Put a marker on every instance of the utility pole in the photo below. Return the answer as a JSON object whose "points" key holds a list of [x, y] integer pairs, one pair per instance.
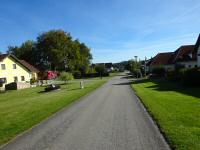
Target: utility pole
{"points": [[136, 64]]}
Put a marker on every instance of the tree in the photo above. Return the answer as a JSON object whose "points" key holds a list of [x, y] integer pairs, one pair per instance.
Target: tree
{"points": [[100, 68], [54, 50], [26, 51], [135, 68], [54, 47], [66, 76]]}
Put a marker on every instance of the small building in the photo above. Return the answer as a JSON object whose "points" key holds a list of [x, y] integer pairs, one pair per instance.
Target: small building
{"points": [[185, 56], [15, 70], [162, 60]]}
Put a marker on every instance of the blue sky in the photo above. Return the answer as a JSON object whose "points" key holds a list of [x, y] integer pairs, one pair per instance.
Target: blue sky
{"points": [[115, 30]]}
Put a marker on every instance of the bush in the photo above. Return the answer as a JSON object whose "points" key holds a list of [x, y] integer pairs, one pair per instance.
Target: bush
{"points": [[176, 75], [137, 73], [77, 74], [33, 80], [159, 71], [66, 76], [191, 77]]}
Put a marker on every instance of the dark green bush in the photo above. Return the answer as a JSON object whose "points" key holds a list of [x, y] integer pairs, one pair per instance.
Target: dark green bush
{"points": [[176, 75], [191, 77], [159, 71], [77, 74]]}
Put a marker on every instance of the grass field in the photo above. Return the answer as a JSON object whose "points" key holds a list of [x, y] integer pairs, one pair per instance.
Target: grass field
{"points": [[175, 108], [20, 110]]}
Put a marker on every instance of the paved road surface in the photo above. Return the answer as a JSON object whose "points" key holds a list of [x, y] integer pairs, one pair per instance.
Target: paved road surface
{"points": [[111, 118]]}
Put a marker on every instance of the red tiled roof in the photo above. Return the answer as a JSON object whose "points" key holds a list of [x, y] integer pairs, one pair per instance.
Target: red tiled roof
{"points": [[162, 59], [185, 53], [3, 56], [29, 66]]}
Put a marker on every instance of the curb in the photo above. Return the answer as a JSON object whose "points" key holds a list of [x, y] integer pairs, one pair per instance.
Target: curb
{"points": [[153, 120]]}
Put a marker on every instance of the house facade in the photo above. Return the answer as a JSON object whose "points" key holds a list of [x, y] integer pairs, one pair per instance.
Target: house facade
{"points": [[187, 56], [162, 60], [12, 70]]}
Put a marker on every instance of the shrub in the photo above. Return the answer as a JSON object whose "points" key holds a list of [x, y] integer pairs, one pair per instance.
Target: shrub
{"points": [[191, 77], [77, 74], [176, 75], [66, 76], [33, 80], [159, 71]]}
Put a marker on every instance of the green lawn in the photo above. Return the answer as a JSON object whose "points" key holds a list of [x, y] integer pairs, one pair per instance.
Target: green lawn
{"points": [[175, 108], [20, 110]]}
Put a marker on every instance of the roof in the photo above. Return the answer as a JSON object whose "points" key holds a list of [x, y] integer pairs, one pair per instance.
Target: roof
{"points": [[197, 44], [3, 56], [185, 53], [29, 66], [22, 62], [162, 59]]}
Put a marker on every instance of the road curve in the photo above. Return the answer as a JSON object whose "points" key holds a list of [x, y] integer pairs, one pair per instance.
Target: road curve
{"points": [[111, 118]]}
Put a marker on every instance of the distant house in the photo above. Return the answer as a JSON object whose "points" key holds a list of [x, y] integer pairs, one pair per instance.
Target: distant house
{"points": [[15, 70], [186, 56], [108, 66], [162, 60]]}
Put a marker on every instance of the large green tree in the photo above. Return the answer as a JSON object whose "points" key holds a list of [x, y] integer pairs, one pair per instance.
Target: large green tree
{"points": [[54, 47], [26, 51], [54, 50]]}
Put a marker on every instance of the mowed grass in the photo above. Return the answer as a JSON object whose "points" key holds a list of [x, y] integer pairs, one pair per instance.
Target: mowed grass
{"points": [[175, 108], [20, 110]]}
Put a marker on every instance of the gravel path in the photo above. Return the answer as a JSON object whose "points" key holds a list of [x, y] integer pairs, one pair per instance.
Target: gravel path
{"points": [[111, 118]]}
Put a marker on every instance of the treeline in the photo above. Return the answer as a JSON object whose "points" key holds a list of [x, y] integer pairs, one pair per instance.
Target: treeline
{"points": [[54, 50]]}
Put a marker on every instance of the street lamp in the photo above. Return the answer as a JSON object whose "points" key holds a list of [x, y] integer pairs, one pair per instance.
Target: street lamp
{"points": [[136, 58]]}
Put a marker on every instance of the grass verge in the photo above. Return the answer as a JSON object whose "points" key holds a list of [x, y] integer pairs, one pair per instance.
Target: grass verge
{"points": [[22, 109], [176, 109]]}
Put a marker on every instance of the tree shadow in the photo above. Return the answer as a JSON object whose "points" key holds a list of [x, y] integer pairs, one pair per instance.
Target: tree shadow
{"points": [[124, 83], [165, 85]]}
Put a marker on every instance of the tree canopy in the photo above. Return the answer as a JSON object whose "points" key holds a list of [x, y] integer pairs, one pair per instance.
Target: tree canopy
{"points": [[54, 50]]}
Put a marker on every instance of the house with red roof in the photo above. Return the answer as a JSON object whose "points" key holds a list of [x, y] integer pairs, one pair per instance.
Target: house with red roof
{"points": [[162, 60], [16, 72], [187, 55]]}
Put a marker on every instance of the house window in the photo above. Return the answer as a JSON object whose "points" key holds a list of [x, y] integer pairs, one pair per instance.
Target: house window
{"points": [[195, 66], [189, 66], [3, 80], [15, 79], [3, 67], [14, 66], [22, 78]]}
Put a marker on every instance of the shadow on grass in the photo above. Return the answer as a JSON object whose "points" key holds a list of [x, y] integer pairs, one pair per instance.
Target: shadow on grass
{"points": [[124, 83], [165, 85]]}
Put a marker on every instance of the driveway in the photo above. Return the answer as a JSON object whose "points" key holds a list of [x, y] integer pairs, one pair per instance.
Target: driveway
{"points": [[111, 118]]}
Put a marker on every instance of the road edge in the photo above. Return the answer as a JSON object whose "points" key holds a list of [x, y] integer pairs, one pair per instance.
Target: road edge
{"points": [[153, 120], [54, 114]]}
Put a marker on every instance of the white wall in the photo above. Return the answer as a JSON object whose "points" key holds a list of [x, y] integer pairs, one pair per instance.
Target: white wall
{"points": [[188, 64]]}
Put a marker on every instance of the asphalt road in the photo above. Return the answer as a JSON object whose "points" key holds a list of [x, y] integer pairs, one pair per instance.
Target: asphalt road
{"points": [[111, 118]]}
